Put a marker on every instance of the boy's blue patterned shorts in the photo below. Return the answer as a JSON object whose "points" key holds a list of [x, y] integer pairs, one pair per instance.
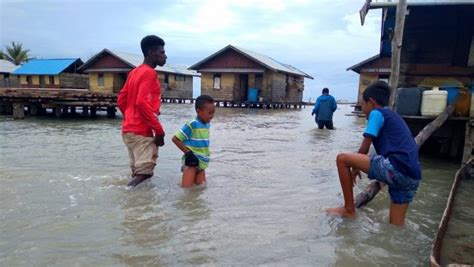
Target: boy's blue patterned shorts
{"points": [[401, 188]]}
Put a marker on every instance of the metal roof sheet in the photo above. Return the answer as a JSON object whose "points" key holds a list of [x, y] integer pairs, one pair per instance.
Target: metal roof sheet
{"points": [[7, 67], [45, 66], [135, 60], [357, 66], [393, 3], [266, 61]]}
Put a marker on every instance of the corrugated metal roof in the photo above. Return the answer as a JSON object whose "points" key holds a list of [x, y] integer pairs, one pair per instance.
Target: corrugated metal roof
{"points": [[357, 66], [45, 66], [135, 60], [266, 61], [390, 3], [7, 67]]}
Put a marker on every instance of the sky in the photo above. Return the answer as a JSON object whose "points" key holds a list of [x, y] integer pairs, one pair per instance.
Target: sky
{"points": [[320, 37]]}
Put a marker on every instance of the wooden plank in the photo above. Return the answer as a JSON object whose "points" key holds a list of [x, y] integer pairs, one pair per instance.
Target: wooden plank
{"points": [[396, 49], [435, 256], [468, 141]]}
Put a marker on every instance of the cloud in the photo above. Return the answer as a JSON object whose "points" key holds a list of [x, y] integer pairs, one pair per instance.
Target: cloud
{"points": [[321, 38]]}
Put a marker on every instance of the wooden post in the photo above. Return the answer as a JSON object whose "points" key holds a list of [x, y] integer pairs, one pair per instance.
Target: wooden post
{"points": [[57, 112], [8, 108], [93, 112], [468, 141], [396, 49], [110, 112], [18, 111], [33, 110], [85, 111], [374, 187], [424, 134]]}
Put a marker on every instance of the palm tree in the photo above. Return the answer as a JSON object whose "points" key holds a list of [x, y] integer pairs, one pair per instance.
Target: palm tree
{"points": [[15, 53], [1, 55]]}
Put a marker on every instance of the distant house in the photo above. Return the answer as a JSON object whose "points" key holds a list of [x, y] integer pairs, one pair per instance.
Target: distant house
{"points": [[370, 70], [228, 74], [108, 72], [6, 79], [51, 73], [438, 41]]}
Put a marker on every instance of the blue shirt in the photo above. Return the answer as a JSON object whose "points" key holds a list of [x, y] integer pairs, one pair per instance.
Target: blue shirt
{"points": [[324, 107], [393, 140]]}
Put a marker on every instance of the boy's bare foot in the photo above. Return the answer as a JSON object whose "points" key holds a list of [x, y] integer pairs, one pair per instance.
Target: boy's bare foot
{"points": [[341, 211]]}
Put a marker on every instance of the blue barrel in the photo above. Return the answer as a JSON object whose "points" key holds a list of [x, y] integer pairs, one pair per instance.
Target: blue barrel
{"points": [[408, 101], [453, 92], [252, 95]]}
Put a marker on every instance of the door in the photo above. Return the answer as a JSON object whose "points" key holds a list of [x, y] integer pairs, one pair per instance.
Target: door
{"points": [[244, 86], [119, 81]]}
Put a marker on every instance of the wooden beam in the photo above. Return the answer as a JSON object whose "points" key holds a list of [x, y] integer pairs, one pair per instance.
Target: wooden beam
{"points": [[396, 49], [468, 141], [18, 111]]}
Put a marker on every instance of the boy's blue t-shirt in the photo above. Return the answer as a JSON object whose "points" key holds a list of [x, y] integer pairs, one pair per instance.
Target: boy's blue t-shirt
{"points": [[393, 140]]}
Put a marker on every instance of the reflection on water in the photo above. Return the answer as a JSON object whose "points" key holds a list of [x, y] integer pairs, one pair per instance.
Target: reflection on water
{"points": [[63, 198]]}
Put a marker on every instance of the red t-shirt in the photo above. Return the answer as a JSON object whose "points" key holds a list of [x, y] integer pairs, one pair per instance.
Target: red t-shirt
{"points": [[139, 102]]}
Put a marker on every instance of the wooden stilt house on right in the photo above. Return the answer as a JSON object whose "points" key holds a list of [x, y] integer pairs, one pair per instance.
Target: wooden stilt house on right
{"points": [[239, 75]]}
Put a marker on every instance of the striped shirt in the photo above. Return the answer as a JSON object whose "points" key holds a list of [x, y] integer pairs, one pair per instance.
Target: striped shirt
{"points": [[195, 136]]}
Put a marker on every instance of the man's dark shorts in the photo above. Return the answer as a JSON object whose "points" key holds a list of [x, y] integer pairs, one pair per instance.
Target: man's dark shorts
{"points": [[401, 188], [322, 124]]}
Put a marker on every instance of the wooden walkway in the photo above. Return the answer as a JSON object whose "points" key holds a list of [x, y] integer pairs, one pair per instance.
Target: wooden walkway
{"points": [[61, 101]]}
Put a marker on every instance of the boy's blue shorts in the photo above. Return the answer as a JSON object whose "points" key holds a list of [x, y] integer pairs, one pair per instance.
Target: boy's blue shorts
{"points": [[401, 188]]}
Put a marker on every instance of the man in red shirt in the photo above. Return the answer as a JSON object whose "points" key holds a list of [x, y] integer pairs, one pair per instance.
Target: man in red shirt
{"points": [[139, 101]]}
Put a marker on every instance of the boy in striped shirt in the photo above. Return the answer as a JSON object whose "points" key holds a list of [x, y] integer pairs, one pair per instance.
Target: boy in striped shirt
{"points": [[193, 140]]}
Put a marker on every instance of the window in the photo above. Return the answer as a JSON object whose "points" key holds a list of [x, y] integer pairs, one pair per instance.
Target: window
{"points": [[51, 79], [100, 79], [217, 81], [180, 78], [166, 78], [28, 79]]}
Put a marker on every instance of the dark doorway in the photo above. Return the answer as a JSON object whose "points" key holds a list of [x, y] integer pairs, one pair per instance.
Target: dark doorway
{"points": [[119, 81], [244, 86]]}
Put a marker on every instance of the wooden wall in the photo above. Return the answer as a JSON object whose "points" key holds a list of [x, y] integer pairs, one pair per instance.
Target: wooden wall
{"points": [[108, 87], [12, 81], [174, 88], [365, 79], [436, 44], [227, 86], [39, 81], [108, 61], [295, 89], [278, 89], [231, 59], [73, 80]]}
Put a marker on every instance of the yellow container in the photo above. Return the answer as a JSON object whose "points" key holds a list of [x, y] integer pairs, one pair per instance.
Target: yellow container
{"points": [[433, 102]]}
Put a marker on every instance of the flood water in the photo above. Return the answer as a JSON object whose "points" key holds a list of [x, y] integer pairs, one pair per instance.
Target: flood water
{"points": [[63, 199]]}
